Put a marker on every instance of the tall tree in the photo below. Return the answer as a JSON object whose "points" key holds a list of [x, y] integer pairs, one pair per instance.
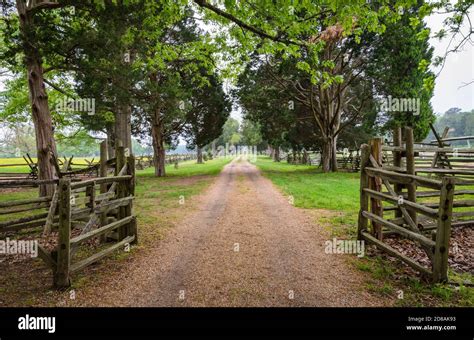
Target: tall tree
{"points": [[173, 61], [31, 25], [250, 132], [209, 110], [399, 69]]}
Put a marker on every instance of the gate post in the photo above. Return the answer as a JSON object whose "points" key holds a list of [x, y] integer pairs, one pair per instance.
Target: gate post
{"points": [[410, 156], [61, 275], [443, 230], [375, 183], [364, 183]]}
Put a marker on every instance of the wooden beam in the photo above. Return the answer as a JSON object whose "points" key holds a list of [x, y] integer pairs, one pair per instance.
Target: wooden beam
{"points": [[364, 184], [404, 178], [410, 157], [100, 231], [375, 184], [396, 254], [46, 257], [96, 257], [52, 211], [405, 232], [100, 181]]}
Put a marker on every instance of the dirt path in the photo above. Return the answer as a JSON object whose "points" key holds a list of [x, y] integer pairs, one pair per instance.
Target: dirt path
{"points": [[245, 246]]}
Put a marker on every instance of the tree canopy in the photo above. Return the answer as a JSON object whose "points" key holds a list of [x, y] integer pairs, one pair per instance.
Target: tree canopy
{"points": [[308, 74]]}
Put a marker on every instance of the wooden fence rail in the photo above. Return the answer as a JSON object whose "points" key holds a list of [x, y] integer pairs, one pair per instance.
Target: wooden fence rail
{"points": [[346, 159], [107, 215], [146, 161], [100, 207], [426, 223]]}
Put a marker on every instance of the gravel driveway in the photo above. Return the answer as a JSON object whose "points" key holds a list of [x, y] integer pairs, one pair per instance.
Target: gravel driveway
{"points": [[246, 245]]}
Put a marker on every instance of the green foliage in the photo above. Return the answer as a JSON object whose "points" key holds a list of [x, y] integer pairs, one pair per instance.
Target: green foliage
{"points": [[151, 55], [208, 112], [230, 133], [250, 132], [400, 70]]}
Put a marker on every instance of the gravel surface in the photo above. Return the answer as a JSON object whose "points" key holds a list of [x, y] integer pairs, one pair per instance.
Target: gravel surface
{"points": [[245, 245]]}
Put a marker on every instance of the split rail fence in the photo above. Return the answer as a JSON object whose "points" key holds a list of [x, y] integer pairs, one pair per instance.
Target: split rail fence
{"points": [[348, 159], [79, 211], [145, 161], [421, 208]]}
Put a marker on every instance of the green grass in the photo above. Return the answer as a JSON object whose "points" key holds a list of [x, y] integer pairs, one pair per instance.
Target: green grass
{"points": [[189, 168], [339, 192], [26, 169], [311, 188], [385, 279]]}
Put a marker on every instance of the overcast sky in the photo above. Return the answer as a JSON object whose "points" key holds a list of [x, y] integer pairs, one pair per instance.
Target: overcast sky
{"points": [[458, 70]]}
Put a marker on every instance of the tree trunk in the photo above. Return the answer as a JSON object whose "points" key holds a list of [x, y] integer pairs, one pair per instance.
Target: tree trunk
{"points": [[272, 152], [276, 154], [110, 142], [199, 155], [305, 157], [42, 119], [159, 152], [334, 154], [123, 127], [328, 155]]}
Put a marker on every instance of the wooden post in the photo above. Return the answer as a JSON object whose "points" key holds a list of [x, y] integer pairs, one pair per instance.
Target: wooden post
{"points": [[103, 187], [443, 231], [103, 161], [51, 212], [61, 275], [440, 156], [364, 183], [376, 184], [397, 162], [131, 171], [410, 155], [119, 156], [131, 228], [90, 193], [121, 188]]}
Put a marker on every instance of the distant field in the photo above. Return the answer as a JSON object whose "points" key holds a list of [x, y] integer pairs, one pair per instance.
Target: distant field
{"points": [[184, 168], [25, 169], [147, 182]]}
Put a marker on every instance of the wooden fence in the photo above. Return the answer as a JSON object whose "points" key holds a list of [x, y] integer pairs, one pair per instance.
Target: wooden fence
{"points": [[427, 223], [79, 211], [348, 159], [31, 174], [146, 161], [64, 168]]}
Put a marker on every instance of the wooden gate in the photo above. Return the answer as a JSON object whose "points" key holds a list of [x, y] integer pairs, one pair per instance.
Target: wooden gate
{"points": [[428, 224], [99, 208]]}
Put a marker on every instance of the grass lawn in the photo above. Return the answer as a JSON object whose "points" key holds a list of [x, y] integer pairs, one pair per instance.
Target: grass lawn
{"points": [[312, 189], [339, 193]]}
